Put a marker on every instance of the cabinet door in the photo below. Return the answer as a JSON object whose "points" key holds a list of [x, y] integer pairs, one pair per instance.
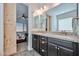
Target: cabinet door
{"points": [[37, 43], [34, 43], [52, 49], [62, 51]]}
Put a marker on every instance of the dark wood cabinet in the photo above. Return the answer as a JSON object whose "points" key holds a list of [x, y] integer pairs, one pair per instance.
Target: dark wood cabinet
{"points": [[43, 43], [35, 42], [43, 46], [52, 49], [64, 47], [47, 46], [62, 51], [38, 43]]}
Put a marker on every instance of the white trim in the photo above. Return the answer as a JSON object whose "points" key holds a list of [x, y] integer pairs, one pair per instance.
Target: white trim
{"points": [[2, 29]]}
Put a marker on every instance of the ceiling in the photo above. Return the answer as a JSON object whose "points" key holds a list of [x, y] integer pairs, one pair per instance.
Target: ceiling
{"points": [[22, 8], [36, 6]]}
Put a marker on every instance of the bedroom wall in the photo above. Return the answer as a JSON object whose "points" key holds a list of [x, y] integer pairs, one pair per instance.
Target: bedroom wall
{"points": [[20, 10]]}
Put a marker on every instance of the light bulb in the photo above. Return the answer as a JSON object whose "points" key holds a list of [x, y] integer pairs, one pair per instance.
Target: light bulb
{"points": [[45, 7], [41, 8]]}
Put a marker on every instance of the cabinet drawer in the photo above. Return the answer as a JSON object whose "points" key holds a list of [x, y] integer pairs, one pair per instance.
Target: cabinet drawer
{"points": [[52, 40], [61, 42], [43, 38], [43, 44], [65, 43]]}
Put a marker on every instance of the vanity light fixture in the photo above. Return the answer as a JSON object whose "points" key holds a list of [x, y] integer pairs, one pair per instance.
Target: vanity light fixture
{"points": [[45, 7], [41, 10]]}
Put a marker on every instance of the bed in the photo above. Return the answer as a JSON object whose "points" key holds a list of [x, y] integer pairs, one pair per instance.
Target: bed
{"points": [[21, 37]]}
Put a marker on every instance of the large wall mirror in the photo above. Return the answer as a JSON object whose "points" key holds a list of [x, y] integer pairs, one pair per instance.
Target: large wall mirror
{"points": [[65, 21], [39, 23], [65, 18], [65, 25]]}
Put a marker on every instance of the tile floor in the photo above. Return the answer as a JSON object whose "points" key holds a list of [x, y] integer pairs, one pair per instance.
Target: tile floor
{"points": [[22, 50]]}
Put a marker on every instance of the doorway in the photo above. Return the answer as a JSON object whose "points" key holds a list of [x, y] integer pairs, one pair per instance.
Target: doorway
{"points": [[21, 27]]}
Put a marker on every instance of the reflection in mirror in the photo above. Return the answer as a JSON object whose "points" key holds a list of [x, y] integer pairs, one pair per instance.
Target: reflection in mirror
{"points": [[65, 25], [39, 23], [64, 21], [35, 22], [62, 16]]}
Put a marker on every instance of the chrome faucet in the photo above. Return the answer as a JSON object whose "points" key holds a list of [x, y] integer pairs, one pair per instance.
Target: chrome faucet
{"points": [[64, 32]]}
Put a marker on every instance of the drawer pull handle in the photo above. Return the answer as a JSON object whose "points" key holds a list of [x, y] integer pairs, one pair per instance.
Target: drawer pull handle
{"points": [[43, 50], [43, 42], [42, 38], [58, 48], [34, 39]]}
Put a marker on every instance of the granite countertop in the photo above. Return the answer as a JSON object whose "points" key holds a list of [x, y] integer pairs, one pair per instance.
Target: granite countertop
{"points": [[72, 38]]}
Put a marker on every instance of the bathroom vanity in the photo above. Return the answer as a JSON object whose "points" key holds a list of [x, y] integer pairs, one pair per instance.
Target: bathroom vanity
{"points": [[47, 44], [63, 38]]}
